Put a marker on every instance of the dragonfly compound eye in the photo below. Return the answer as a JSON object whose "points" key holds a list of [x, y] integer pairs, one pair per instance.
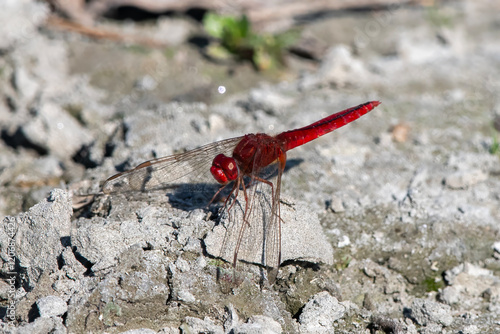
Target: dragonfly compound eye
{"points": [[224, 169]]}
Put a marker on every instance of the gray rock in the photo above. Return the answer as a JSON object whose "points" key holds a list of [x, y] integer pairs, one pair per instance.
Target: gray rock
{"points": [[52, 325], [338, 67], [169, 330], [269, 101], [297, 243], [470, 285], [336, 204], [496, 248], [140, 331], [465, 179], [54, 130], [29, 172], [196, 325], [71, 266], [51, 306], [138, 284], [450, 295], [146, 83], [319, 314], [34, 238], [101, 241], [427, 312], [21, 20], [167, 127], [25, 84], [258, 324]]}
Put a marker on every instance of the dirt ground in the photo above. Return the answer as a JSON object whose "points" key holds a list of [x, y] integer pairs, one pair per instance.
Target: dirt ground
{"points": [[391, 224]]}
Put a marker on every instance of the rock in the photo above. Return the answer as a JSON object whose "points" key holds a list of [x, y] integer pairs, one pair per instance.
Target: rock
{"points": [[336, 204], [146, 83], [33, 239], [297, 242], [196, 325], [138, 284], [140, 331], [62, 138], [51, 306], [52, 325], [165, 127], [21, 20], [169, 330], [319, 314], [496, 246], [35, 172], [469, 285], [338, 67], [71, 266], [426, 312], [269, 101], [450, 295], [101, 241], [465, 179], [258, 324]]}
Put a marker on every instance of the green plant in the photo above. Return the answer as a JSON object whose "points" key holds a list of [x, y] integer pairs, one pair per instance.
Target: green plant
{"points": [[495, 147], [431, 284], [439, 17], [236, 39]]}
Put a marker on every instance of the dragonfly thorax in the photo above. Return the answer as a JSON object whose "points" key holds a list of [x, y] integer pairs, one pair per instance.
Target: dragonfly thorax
{"points": [[224, 169]]}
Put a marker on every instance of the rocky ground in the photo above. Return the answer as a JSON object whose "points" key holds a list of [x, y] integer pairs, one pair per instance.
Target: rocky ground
{"points": [[391, 224]]}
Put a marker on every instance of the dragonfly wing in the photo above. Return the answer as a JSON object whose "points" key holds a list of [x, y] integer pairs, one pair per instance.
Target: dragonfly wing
{"points": [[190, 167], [252, 225], [272, 232], [243, 222]]}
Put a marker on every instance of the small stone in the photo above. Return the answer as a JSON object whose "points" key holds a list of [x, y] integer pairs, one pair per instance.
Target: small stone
{"points": [[450, 295], [400, 132], [496, 246], [345, 241], [52, 325], [258, 324], [320, 312], [146, 83], [336, 204], [186, 296], [196, 325], [51, 306], [182, 265], [426, 312]]}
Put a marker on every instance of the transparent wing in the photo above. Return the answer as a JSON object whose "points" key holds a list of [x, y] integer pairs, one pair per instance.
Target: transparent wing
{"points": [[272, 232], [191, 167], [251, 229]]}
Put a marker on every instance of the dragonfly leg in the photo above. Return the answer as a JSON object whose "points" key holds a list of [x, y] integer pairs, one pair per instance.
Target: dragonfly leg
{"points": [[272, 193], [217, 193]]}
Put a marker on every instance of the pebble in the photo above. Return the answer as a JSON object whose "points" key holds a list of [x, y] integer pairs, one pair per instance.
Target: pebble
{"points": [[51, 306], [426, 312], [320, 312]]}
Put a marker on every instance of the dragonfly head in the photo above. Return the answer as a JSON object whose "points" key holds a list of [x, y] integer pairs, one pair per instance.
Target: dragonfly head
{"points": [[224, 169]]}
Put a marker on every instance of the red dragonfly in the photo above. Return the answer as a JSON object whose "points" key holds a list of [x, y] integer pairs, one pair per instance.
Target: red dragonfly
{"points": [[244, 162]]}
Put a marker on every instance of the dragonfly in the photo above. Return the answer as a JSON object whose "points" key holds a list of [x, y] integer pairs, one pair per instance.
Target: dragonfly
{"points": [[239, 165]]}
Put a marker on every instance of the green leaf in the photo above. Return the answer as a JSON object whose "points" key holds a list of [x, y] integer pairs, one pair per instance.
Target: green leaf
{"points": [[214, 24], [236, 37]]}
